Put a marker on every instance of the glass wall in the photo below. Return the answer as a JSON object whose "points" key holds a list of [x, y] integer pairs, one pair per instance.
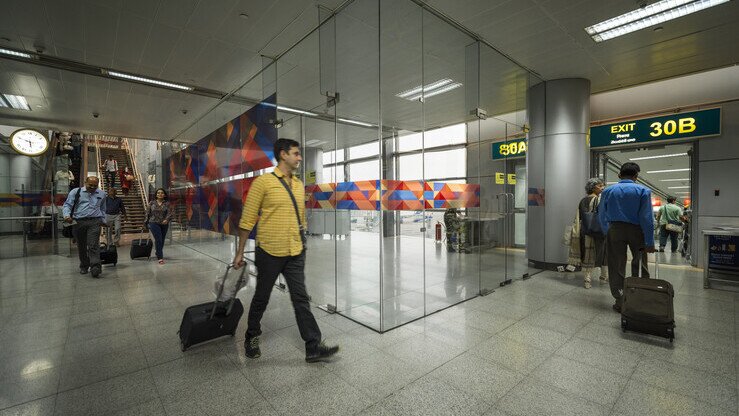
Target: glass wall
{"points": [[396, 111]]}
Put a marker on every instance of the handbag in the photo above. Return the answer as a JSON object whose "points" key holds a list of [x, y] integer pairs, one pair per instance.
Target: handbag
{"points": [[68, 229], [590, 222], [674, 226], [303, 238]]}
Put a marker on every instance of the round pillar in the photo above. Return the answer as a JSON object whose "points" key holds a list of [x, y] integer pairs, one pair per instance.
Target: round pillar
{"points": [[557, 163]]}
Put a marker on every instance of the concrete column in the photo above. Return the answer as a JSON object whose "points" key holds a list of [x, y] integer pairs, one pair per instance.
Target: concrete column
{"points": [[557, 163]]}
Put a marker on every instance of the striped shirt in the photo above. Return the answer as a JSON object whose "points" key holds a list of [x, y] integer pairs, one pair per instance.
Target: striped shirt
{"points": [[278, 232]]}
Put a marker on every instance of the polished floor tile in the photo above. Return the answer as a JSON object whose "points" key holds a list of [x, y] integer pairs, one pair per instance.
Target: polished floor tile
{"points": [[73, 345]]}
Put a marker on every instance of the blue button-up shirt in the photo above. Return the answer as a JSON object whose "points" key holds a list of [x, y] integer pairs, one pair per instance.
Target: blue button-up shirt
{"points": [[90, 204], [629, 202]]}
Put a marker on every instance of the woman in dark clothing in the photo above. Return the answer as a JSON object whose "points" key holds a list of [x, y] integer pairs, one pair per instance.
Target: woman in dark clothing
{"points": [[588, 251], [158, 215]]}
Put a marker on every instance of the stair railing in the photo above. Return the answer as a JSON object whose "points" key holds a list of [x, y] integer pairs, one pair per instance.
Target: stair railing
{"points": [[98, 162], [136, 173]]}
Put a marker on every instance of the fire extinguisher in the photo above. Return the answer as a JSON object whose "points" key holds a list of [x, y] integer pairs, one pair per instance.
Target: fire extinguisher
{"points": [[438, 232]]}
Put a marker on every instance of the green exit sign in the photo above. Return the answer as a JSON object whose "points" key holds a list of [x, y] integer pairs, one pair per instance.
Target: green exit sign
{"points": [[690, 125]]}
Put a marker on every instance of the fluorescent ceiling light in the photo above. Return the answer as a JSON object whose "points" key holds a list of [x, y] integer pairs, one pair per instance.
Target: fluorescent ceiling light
{"points": [[145, 80], [14, 101], [314, 142], [296, 111], [8, 52], [669, 170], [358, 123], [647, 16], [682, 192], [427, 87], [659, 156], [674, 180], [678, 187], [435, 92]]}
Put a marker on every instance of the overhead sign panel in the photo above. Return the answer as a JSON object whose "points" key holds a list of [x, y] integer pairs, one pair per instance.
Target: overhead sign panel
{"points": [[690, 125], [510, 149]]}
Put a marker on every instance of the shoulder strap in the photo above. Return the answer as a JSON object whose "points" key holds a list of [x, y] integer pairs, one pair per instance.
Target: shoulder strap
{"points": [[76, 200], [295, 204]]}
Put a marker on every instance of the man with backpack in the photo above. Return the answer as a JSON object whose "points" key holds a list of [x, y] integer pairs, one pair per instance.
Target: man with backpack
{"points": [[86, 207]]}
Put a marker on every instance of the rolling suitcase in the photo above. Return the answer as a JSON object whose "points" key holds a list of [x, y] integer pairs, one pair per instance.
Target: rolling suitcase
{"points": [[647, 306], [141, 247], [108, 254], [211, 320]]}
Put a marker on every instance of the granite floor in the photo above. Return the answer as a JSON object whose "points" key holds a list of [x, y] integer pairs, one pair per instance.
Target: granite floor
{"points": [[73, 345]]}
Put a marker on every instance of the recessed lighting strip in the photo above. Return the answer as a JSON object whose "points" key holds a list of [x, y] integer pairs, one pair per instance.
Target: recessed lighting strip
{"points": [[358, 123], [296, 111], [669, 170], [427, 87], [436, 91], [651, 15], [16, 101], [678, 187], [145, 80], [674, 180], [658, 156], [10, 52]]}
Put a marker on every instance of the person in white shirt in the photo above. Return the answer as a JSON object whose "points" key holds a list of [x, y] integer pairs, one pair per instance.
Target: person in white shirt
{"points": [[111, 170]]}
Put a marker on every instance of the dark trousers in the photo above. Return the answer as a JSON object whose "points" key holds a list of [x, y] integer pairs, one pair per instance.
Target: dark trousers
{"points": [[110, 179], [159, 231], [292, 267], [620, 236], [87, 233], [663, 234]]}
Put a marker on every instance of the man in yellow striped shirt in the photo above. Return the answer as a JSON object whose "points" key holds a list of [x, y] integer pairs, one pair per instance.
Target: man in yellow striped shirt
{"points": [[277, 201]]}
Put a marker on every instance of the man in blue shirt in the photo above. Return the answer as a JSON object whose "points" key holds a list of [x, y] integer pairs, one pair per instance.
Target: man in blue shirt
{"points": [[625, 212], [86, 206]]}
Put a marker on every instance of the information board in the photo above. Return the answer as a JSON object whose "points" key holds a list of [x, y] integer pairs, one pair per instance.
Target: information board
{"points": [[722, 253], [689, 125]]}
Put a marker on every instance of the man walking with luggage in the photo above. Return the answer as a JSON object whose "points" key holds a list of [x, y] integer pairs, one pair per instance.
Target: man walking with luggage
{"points": [[278, 201], [625, 213], [114, 209], [86, 206]]}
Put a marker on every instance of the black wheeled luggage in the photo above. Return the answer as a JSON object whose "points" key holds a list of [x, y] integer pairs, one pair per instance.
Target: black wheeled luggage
{"points": [[647, 306], [141, 247], [108, 254], [211, 320]]}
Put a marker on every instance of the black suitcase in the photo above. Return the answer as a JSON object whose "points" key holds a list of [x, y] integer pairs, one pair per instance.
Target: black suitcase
{"points": [[647, 306], [141, 247], [108, 254], [211, 320]]}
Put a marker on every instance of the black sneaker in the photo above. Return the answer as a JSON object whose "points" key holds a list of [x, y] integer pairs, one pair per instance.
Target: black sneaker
{"points": [[95, 271], [251, 346], [321, 352], [83, 270]]}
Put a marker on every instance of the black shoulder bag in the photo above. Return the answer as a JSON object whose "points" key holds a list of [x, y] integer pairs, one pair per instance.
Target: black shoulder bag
{"points": [[67, 230], [590, 222], [303, 239]]}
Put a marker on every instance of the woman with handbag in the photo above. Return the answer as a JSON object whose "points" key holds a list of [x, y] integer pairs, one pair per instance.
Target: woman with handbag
{"points": [[587, 244], [158, 215], [126, 176], [669, 224]]}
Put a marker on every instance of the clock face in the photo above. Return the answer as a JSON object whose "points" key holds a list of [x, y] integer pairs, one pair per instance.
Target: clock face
{"points": [[29, 142]]}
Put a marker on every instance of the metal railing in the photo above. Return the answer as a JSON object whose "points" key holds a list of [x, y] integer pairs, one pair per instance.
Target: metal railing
{"points": [[137, 174]]}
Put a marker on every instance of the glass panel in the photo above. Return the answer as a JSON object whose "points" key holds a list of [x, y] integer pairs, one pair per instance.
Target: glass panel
{"points": [[364, 150], [404, 214], [357, 82], [451, 269], [446, 164]]}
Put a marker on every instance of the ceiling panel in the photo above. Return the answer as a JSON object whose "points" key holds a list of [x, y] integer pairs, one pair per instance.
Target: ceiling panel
{"points": [[133, 31], [176, 13]]}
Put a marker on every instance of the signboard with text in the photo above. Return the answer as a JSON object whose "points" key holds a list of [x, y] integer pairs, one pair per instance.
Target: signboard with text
{"points": [[722, 252], [691, 125], [510, 149]]}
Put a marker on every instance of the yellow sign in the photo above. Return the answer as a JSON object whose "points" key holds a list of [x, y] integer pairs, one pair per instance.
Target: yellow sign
{"points": [[311, 179], [500, 178]]}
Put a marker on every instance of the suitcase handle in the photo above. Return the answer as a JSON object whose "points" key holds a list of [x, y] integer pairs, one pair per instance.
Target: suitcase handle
{"points": [[223, 284]]}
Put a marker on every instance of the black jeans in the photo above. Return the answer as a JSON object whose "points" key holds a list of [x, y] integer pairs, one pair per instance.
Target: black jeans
{"points": [[110, 179], [663, 234], [292, 267], [620, 235], [87, 233]]}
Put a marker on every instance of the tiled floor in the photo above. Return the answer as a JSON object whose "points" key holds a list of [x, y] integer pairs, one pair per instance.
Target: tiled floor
{"points": [[73, 345]]}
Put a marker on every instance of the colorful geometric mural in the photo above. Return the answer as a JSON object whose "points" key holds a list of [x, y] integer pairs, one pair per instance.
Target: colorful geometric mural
{"points": [[392, 195]]}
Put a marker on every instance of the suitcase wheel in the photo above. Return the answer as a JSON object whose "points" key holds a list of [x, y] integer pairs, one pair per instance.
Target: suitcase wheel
{"points": [[183, 347], [623, 324]]}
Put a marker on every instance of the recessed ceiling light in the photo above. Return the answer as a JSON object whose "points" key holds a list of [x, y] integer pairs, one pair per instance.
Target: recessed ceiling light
{"points": [[678, 187], [9, 52], [145, 80], [296, 111], [17, 102], [427, 87], [669, 170], [647, 16], [674, 180], [358, 123], [437, 91], [39, 106], [658, 156]]}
